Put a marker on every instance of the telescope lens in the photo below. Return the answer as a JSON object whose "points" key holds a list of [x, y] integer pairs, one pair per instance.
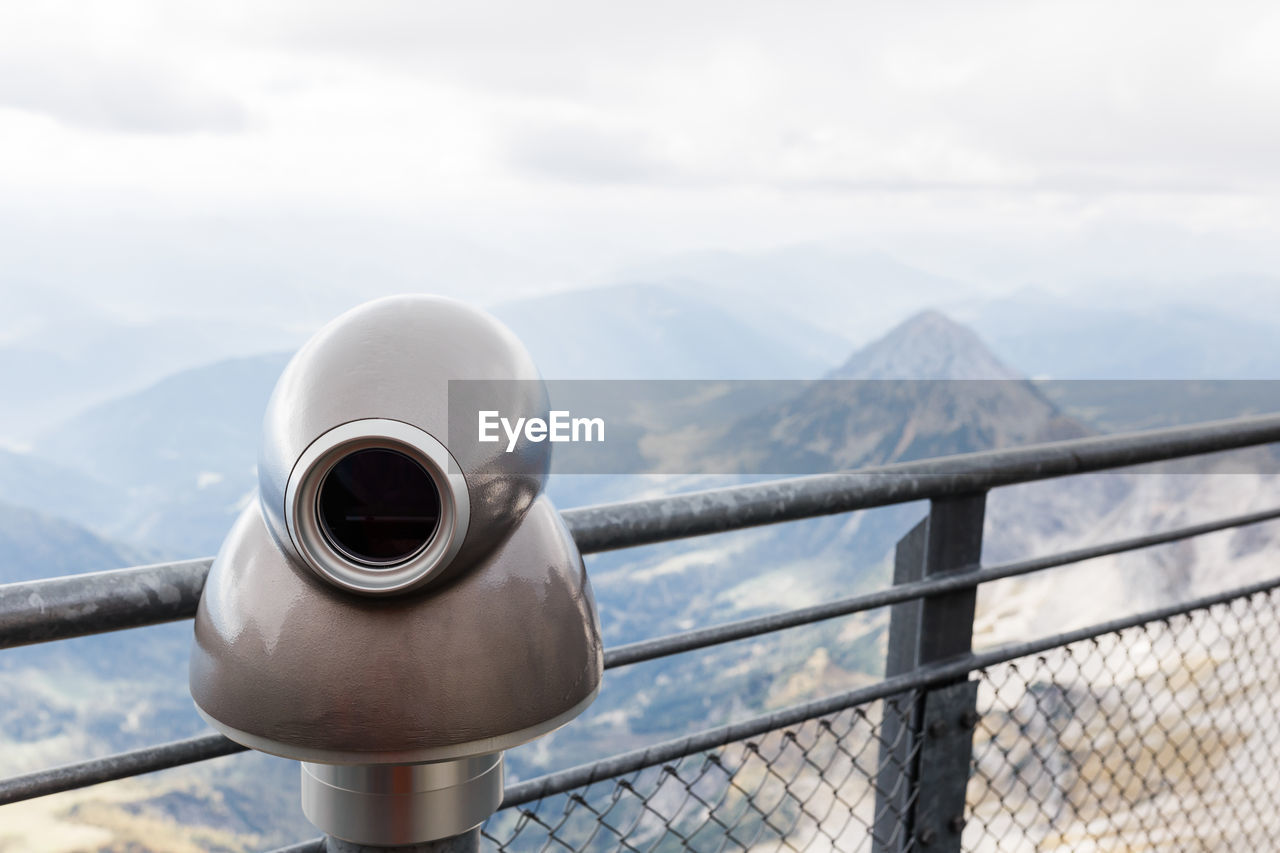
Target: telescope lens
{"points": [[378, 506]]}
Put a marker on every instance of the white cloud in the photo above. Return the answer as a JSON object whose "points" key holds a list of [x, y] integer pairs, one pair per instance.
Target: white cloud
{"points": [[113, 94], [571, 137]]}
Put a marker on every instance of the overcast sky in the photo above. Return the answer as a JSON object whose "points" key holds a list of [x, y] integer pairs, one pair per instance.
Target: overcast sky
{"points": [[163, 156]]}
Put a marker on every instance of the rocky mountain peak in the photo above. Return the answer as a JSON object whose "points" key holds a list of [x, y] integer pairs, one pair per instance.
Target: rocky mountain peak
{"points": [[928, 345]]}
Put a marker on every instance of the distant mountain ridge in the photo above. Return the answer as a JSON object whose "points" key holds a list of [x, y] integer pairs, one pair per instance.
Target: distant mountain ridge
{"points": [[177, 458], [655, 331], [1051, 336], [34, 545], [182, 453], [928, 387]]}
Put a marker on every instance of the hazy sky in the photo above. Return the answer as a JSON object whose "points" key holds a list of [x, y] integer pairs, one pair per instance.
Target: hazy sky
{"points": [[161, 156]]}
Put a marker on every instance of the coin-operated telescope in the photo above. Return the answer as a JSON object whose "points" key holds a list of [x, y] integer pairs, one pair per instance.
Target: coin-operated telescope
{"points": [[395, 611]]}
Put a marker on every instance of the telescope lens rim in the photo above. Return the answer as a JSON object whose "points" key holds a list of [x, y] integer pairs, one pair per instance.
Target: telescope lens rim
{"points": [[342, 543]]}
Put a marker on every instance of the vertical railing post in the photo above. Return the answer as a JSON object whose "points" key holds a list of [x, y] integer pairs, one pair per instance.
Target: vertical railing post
{"points": [[927, 739]]}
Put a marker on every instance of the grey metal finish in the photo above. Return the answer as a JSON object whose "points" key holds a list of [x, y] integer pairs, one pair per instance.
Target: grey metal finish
{"points": [[944, 623], [922, 632], [314, 548], [392, 805], [939, 674], [111, 767], [649, 756], [313, 845], [149, 759], [946, 748], [894, 792], [78, 605], [698, 638], [467, 842], [394, 359], [62, 608], [398, 681], [926, 676], [40, 611], [624, 525], [482, 638], [503, 653]]}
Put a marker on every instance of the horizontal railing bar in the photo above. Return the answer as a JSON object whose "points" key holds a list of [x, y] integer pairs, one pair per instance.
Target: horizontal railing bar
{"points": [[315, 845], [959, 668], [561, 781], [625, 525], [192, 750], [61, 608], [119, 766], [686, 641], [95, 602]]}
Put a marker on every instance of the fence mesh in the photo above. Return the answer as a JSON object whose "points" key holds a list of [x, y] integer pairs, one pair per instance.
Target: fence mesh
{"points": [[1159, 737], [804, 788]]}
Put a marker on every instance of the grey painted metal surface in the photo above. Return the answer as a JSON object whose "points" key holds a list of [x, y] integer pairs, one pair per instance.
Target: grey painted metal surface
{"points": [[649, 756], [468, 842], [925, 677], [149, 759], [303, 648], [78, 605], [922, 632], [385, 804], [395, 625], [394, 359], [946, 749], [624, 525], [698, 638], [61, 608], [894, 793], [111, 767], [40, 611], [500, 655]]}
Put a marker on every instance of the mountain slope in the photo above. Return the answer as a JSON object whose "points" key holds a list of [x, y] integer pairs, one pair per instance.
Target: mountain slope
{"points": [[1048, 335], [34, 545], [647, 331], [855, 295], [927, 345], [182, 452], [929, 387], [31, 481]]}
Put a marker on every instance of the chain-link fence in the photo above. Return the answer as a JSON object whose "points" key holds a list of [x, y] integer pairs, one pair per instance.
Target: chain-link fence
{"points": [[1164, 736], [809, 787]]}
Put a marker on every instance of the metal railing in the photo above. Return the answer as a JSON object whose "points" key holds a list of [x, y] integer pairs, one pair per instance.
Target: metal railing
{"points": [[1045, 744]]}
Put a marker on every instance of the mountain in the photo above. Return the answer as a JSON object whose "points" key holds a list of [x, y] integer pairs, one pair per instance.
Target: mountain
{"points": [[182, 451], [650, 331], [928, 386], [1050, 336], [859, 419], [106, 693], [928, 345], [1120, 405], [854, 295], [60, 355], [29, 480], [34, 545]]}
